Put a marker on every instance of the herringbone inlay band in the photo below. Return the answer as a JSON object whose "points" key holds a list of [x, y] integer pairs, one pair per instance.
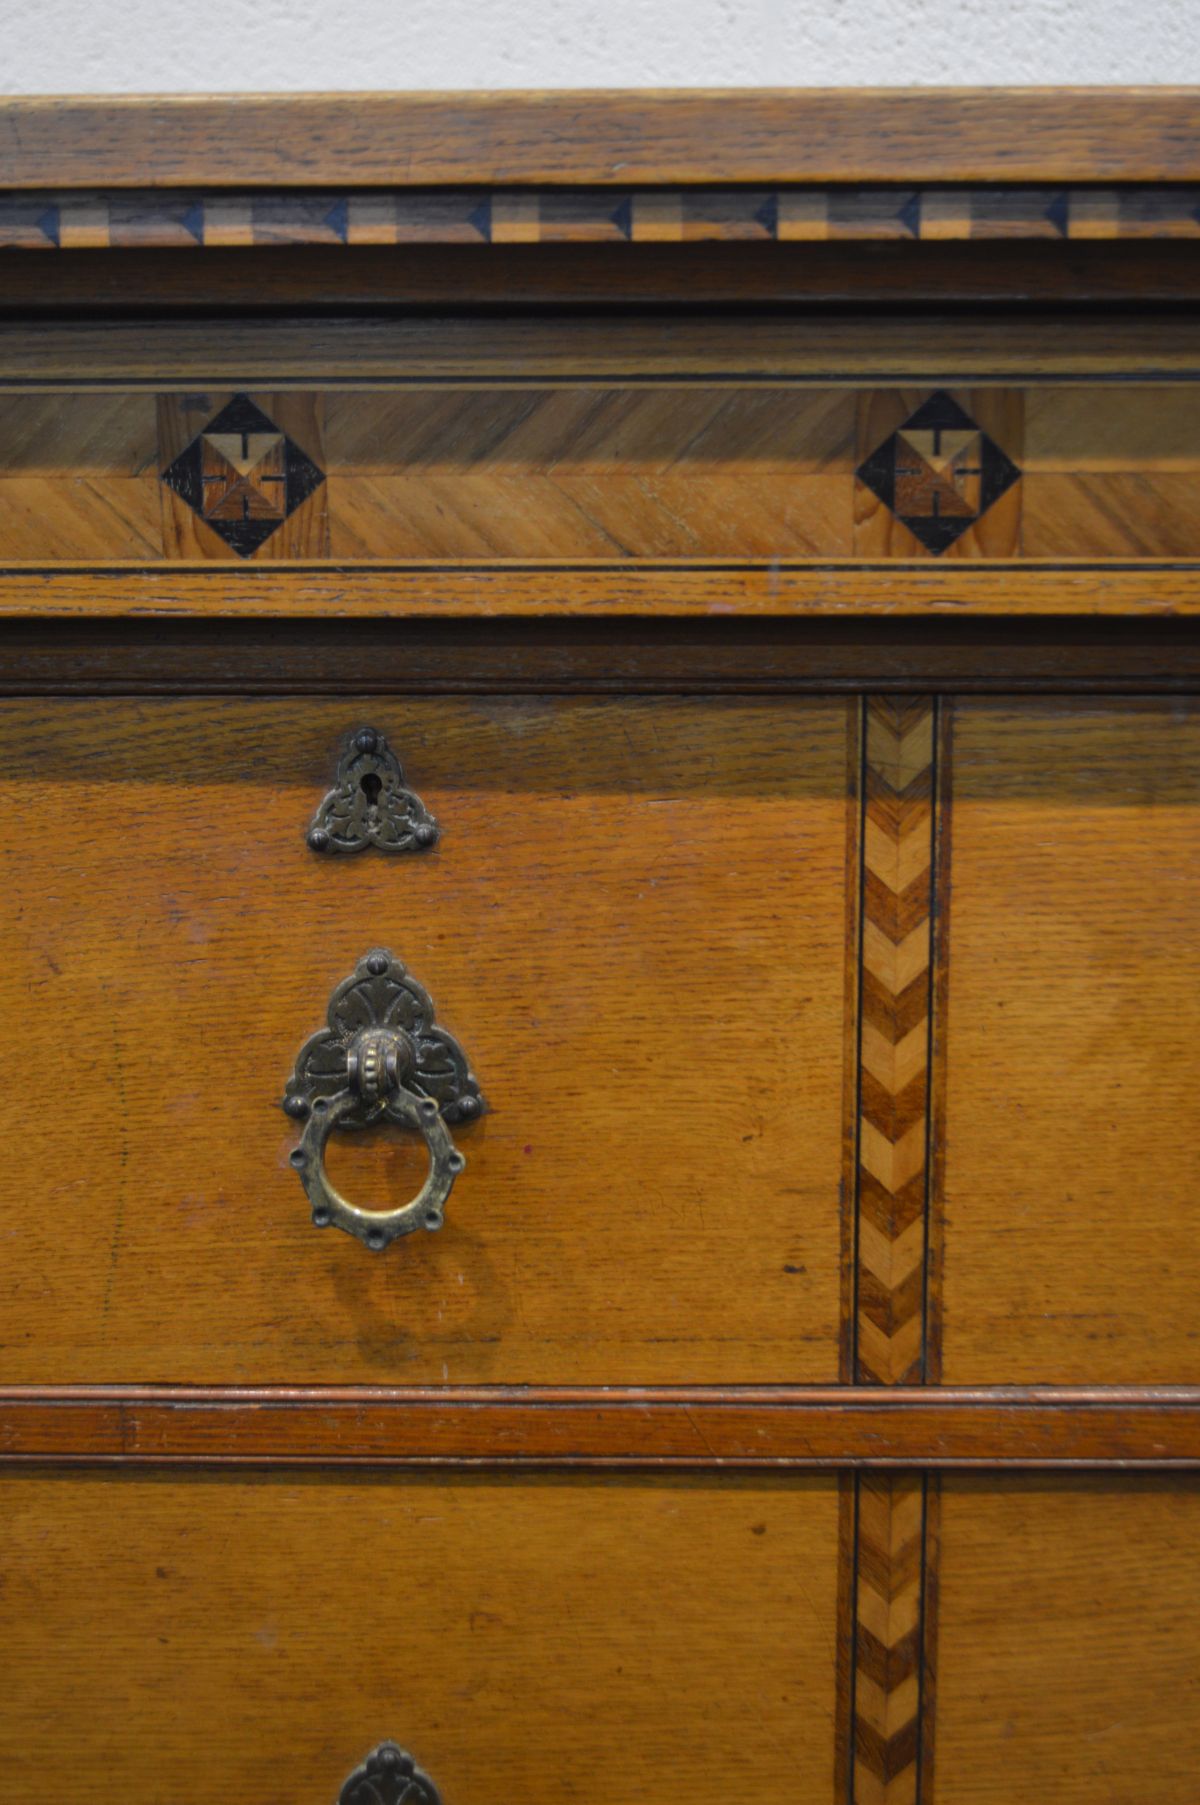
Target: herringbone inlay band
{"points": [[897, 857], [891, 1516]]}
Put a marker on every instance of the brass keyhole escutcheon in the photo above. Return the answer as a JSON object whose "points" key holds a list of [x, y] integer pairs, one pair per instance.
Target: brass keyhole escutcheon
{"points": [[380, 1058]]}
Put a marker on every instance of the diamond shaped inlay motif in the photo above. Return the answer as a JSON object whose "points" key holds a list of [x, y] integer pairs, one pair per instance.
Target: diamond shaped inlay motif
{"points": [[938, 473], [243, 476]]}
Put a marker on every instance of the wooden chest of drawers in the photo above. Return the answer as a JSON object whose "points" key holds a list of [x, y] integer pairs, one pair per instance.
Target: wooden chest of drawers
{"points": [[641, 653]]}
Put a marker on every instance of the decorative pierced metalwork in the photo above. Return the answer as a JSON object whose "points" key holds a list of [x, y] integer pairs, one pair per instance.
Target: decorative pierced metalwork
{"points": [[370, 804], [381, 1056], [389, 1776], [382, 995]]}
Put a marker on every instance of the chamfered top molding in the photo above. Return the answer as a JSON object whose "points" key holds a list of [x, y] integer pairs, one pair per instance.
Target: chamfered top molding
{"points": [[605, 138]]}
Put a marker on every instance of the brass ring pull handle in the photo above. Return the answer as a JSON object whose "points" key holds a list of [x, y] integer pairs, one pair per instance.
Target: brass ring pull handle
{"points": [[381, 1057]]}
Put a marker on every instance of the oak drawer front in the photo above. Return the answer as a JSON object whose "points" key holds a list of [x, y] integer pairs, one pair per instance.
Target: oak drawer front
{"points": [[242, 1637], [1067, 1640], [634, 923], [1071, 1028]]}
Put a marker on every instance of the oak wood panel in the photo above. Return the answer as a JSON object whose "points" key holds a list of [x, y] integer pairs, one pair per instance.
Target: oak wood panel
{"points": [[591, 473], [1112, 468], [253, 1638], [1068, 1613], [610, 137], [78, 476], [940, 348], [1072, 1018], [692, 1426], [635, 925]]}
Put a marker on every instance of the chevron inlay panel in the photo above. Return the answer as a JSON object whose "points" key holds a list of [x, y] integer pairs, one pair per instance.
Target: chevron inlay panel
{"points": [[894, 1039], [891, 1630], [888, 1638]]}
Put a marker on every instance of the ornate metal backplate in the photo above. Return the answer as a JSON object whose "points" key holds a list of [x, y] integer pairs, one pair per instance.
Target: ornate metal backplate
{"points": [[380, 1056], [382, 995], [370, 804], [389, 1776]]}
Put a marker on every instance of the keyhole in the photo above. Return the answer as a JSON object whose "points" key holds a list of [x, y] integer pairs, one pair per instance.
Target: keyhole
{"points": [[370, 785]]}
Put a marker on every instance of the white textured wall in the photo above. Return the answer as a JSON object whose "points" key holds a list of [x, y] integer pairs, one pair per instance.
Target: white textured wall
{"points": [[170, 46]]}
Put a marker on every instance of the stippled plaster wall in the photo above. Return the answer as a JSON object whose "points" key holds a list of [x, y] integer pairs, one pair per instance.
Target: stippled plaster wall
{"points": [[168, 46]]}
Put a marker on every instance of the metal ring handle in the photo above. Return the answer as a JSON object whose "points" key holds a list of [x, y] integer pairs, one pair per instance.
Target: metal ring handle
{"points": [[377, 1228], [380, 1057]]}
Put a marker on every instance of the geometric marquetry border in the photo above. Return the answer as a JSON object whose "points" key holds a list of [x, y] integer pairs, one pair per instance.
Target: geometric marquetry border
{"points": [[183, 219]]}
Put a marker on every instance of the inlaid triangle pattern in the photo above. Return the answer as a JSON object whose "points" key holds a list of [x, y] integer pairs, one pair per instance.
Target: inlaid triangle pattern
{"points": [[939, 472], [243, 476]]}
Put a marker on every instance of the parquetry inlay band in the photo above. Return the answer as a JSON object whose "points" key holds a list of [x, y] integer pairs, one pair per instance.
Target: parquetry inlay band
{"points": [[184, 220], [892, 1509]]}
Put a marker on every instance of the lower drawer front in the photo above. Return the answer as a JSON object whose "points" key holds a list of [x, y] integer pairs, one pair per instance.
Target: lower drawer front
{"points": [[237, 1638], [1068, 1647]]}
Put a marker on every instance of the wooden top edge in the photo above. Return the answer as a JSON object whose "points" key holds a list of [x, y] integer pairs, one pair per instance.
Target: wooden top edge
{"points": [[610, 138]]}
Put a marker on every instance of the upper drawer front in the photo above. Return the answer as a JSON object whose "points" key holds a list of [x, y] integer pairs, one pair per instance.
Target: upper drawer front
{"points": [[1070, 1032], [634, 924]]}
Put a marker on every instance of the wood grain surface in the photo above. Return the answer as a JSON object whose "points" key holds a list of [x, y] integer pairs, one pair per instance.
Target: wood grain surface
{"points": [[941, 347], [227, 592], [1072, 1019], [609, 137], [1068, 1641], [253, 1638], [634, 923]]}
